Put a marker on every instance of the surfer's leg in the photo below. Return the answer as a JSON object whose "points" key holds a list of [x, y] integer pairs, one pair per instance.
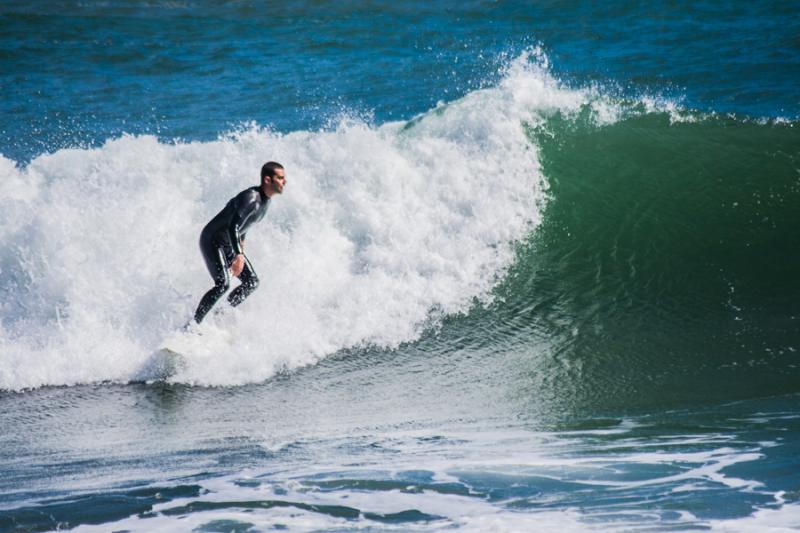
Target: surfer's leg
{"points": [[249, 284], [218, 268]]}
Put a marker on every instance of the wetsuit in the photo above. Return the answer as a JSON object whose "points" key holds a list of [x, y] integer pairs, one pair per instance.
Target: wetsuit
{"points": [[220, 243]]}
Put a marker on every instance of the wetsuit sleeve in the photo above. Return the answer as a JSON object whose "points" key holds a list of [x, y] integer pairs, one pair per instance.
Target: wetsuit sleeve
{"points": [[246, 205]]}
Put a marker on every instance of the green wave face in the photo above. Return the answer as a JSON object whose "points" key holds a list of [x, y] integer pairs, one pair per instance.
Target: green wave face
{"points": [[667, 268]]}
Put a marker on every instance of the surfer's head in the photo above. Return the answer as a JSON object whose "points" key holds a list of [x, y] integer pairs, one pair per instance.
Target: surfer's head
{"points": [[273, 178]]}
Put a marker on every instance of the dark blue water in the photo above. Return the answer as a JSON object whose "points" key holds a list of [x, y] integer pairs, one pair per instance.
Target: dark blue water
{"points": [[75, 73], [535, 267]]}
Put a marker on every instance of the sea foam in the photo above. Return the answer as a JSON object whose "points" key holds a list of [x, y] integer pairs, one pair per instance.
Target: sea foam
{"points": [[381, 230]]}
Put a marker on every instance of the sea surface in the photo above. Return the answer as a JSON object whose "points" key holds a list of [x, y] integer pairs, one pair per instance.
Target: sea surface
{"points": [[536, 266]]}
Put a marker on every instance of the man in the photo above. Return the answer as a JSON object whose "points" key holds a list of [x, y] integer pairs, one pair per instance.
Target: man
{"points": [[222, 240]]}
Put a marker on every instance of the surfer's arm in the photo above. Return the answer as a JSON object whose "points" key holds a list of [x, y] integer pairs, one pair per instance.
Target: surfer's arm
{"points": [[234, 230], [244, 210], [237, 243]]}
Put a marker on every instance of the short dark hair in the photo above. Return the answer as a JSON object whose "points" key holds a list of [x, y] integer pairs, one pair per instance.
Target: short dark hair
{"points": [[269, 169]]}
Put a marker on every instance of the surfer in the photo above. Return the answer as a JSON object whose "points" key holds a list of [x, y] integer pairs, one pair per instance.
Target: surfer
{"points": [[222, 239]]}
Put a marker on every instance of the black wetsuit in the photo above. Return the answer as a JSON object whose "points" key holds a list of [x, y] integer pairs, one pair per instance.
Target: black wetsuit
{"points": [[220, 244]]}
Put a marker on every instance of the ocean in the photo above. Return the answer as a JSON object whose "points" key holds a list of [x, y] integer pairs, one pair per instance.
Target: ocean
{"points": [[536, 266]]}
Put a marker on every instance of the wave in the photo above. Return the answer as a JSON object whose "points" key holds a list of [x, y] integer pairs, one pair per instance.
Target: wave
{"points": [[665, 269], [627, 240]]}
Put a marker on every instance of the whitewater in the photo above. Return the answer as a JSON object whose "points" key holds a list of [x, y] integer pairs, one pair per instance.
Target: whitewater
{"points": [[384, 230]]}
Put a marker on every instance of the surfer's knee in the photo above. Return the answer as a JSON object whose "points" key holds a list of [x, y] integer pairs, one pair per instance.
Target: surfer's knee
{"points": [[249, 279], [222, 286]]}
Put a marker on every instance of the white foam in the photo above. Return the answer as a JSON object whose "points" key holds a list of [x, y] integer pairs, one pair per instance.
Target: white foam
{"points": [[304, 480], [379, 228]]}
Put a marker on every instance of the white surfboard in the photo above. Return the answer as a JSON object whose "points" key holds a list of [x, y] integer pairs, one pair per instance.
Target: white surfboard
{"points": [[162, 365]]}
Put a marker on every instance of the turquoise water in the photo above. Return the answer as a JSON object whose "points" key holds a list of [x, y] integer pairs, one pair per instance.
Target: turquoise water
{"points": [[535, 267]]}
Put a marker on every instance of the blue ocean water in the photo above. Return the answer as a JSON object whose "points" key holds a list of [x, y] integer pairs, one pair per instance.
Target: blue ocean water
{"points": [[535, 267], [82, 72]]}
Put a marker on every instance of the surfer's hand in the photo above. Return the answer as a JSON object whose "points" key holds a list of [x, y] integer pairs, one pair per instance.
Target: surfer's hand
{"points": [[237, 265]]}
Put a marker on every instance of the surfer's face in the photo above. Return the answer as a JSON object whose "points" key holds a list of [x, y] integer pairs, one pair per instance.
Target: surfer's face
{"points": [[278, 180]]}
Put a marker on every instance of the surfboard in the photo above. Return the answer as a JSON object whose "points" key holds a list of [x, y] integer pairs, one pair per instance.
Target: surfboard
{"points": [[162, 365]]}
